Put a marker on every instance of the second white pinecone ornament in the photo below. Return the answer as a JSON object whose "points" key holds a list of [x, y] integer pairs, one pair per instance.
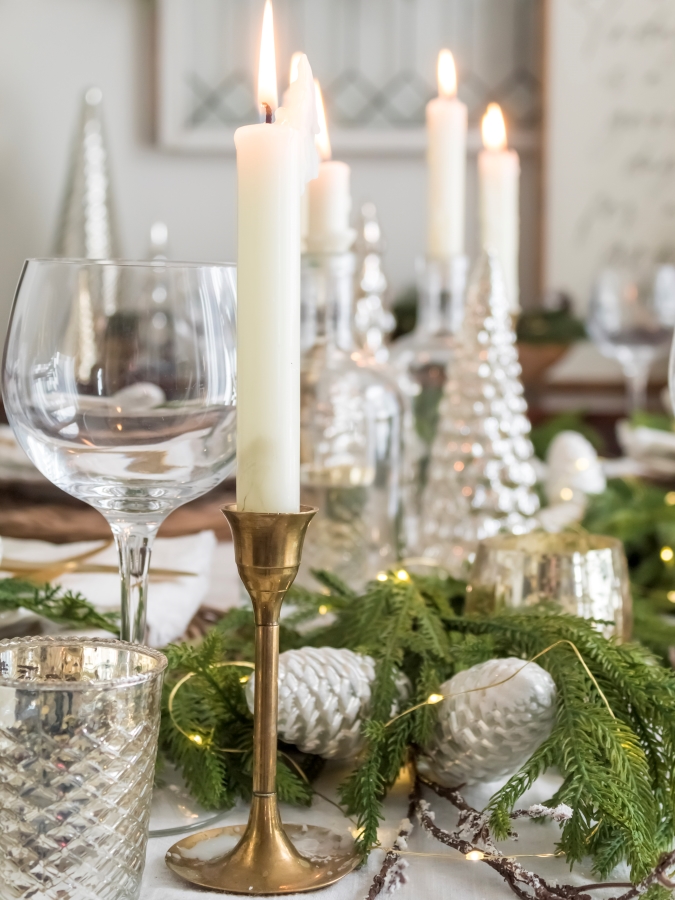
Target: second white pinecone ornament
{"points": [[483, 735], [324, 694]]}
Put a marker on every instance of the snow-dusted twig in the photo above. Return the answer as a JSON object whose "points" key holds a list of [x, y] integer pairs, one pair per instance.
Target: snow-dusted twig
{"points": [[524, 884], [473, 836], [559, 813], [391, 875]]}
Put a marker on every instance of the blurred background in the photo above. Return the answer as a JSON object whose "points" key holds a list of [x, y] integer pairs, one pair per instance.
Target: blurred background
{"points": [[117, 120], [177, 77], [586, 88]]}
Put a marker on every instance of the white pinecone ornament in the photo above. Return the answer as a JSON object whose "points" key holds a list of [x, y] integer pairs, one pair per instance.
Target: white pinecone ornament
{"points": [[488, 734], [324, 693]]}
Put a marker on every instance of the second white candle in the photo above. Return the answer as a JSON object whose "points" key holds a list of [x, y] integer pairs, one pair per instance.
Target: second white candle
{"points": [[447, 119], [499, 187]]}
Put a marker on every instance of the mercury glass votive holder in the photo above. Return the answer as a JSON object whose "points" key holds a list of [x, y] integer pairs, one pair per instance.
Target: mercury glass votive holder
{"points": [[583, 574], [79, 721]]}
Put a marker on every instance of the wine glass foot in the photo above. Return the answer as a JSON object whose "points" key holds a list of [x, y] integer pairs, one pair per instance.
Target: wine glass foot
{"points": [[175, 811]]}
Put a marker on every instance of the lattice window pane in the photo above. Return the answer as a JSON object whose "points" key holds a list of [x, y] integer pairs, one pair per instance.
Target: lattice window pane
{"points": [[375, 59]]}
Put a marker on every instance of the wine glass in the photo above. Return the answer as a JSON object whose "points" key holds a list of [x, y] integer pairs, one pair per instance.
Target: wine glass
{"points": [[119, 383], [630, 322]]}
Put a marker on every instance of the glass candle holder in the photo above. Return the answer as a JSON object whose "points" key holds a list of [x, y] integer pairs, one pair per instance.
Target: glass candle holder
{"points": [[350, 435], [584, 574], [420, 363], [79, 721]]}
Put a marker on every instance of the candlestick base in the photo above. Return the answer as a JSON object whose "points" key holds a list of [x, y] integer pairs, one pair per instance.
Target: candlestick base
{"points": [[265, 861]]}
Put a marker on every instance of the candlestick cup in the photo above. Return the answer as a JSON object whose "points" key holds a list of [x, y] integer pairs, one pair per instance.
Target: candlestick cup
{"points": [[264, 860]]}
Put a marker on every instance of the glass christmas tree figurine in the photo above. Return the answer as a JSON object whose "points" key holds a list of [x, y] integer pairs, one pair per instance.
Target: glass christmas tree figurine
{"points": [[373, 322], [350, 437], [87, 227], [420, 362], [481, 477]]}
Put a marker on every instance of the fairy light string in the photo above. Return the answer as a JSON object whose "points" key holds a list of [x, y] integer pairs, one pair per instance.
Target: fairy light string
{"points": [[195, 737], [200, 741], [432, 699], [474, 855]]}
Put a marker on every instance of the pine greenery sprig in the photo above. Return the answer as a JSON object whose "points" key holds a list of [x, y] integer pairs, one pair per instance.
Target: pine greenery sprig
{"points": [[616, 762], [207, 730], [613, 741], [62, 607], [617, 771]]}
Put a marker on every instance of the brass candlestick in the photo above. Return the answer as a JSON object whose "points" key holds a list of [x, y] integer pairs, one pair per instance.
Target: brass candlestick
{"points": [[268, 547]]}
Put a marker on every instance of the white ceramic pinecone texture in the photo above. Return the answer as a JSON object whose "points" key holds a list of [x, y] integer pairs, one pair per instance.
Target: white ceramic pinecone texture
{"points": [[324, 693], [488, 734]]}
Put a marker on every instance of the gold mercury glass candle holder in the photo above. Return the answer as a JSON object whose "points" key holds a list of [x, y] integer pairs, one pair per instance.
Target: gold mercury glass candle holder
{"points": [[584, 574], [265, 859]]}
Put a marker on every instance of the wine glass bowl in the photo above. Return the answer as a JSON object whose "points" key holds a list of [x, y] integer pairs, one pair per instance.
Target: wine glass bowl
{"points": [[630, 322], [119, 384]]}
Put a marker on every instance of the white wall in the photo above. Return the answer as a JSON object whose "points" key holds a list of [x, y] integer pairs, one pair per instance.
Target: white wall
{"points": [[51, 50], [610, 190]]}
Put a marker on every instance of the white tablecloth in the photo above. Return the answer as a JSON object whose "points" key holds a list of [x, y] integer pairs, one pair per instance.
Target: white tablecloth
{"points": [[445, 875]]}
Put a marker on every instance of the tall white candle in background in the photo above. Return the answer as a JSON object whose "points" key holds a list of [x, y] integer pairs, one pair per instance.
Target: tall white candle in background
{"points": [[304, 203], [330, 199], [499, 184], [270, 178], [446, 156]]}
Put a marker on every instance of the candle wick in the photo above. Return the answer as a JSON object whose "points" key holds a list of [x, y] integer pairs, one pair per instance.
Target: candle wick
{"points": [[269, 115]]}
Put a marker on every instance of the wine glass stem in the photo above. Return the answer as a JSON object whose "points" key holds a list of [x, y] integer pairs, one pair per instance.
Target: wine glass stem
{"points": [[637, 378], [134, 545]]}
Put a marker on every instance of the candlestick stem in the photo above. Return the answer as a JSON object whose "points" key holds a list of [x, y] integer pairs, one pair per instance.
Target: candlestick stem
{"points": [[268, 548]]}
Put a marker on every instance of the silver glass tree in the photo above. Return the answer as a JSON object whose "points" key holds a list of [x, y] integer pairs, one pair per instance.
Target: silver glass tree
{"points": [[481, 476]]}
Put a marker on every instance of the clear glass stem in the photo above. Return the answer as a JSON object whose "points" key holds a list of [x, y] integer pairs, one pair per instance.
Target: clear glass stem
{"points": [[637, 378], [134, 545]]}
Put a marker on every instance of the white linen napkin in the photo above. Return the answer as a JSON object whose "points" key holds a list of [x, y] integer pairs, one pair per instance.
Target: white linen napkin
{"points": [[643, 442], [171, 603]]}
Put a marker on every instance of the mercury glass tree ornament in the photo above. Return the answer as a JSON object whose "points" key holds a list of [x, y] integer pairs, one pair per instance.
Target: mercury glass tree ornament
{"points": [[373, 322], [86, 227], [350, 435], [420, 362], [481, 476]]}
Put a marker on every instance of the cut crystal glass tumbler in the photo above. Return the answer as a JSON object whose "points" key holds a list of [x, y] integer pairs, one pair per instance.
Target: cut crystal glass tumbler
{"points": [[79, 720]]}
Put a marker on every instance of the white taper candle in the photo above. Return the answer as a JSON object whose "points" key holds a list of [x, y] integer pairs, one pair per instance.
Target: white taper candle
{"points": [[330, 199], [447, 119], [499, 186], [270, 179]]}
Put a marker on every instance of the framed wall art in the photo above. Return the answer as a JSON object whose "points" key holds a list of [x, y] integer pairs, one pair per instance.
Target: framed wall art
{"points": [[375, 59]]}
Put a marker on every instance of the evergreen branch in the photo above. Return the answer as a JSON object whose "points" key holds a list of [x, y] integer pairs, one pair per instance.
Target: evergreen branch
{"points": [[614, 738], [609, 774], [473, 836], [51, 602], [362, 791]]}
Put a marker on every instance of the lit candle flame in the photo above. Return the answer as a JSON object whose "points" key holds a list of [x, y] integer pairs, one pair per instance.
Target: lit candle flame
{"points": [[267, 70], [322, 138], [447, 75], [295, 66], [494, 128]]}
